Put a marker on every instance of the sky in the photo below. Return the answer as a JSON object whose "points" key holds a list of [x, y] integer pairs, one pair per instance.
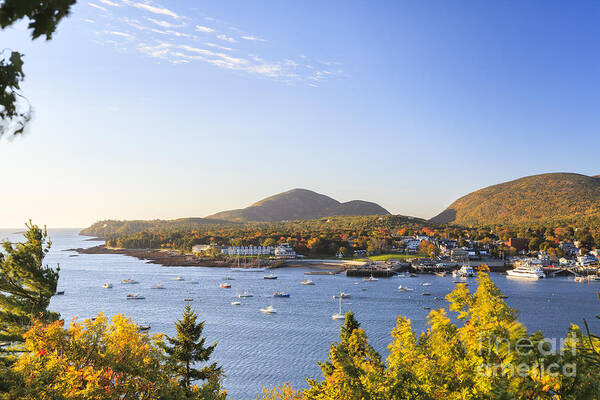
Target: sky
{"points": [[179, 108]]}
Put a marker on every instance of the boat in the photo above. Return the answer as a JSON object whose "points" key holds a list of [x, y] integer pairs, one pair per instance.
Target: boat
{"points": [[526, 271], [229, 278], [427, 308], [135, 296], [245, 294], [188, 299], [339, 314], [268, 310], [357, 283], [426, 294], [178, 278], [270, 276], [342, 295], [236, 303], [426, 284], [441, 274], [225, 285], [465, 271], [403, 275], [371, 279], [581, 279], [307, 282], [193, 282], [158, 286], [107, 285], [143, 328], [60, 293], [129, 281], [281, 294]]}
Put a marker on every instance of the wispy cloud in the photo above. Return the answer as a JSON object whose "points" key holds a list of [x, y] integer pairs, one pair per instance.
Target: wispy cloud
{"points": [[252, 38], [206, 29], [110, 3], [226, 38], [156, 10], [185, 39], [97, 6]]}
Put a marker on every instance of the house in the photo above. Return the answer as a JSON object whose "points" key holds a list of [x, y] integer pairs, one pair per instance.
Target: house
{"points": [[544, 257], [459, 255], [584, 261], [284, 251], [518, 243], [198, 248], [568, 248]]}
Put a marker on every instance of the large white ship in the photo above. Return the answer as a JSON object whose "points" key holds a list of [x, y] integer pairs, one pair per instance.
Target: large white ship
{"points": [[527, 271]]}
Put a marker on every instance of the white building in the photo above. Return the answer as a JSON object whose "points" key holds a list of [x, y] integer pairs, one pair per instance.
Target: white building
{"points": [[584, 261], [247, 250], [202, 247], [285, 251]]}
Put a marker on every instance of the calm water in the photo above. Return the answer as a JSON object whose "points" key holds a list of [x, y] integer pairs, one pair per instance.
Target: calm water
{"points": [[257, 349]]}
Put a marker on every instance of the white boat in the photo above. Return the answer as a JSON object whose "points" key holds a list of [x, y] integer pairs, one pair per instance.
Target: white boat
{"points": [[339, 314], [236, 303], [268, 310], [178, 278], [426, 284], [527, 271], [128, 281], [371, 279], [580, 279], [342, 295], [465, 271], [245, 294], [270, 276], [229, 278], [107, 285], [158, 286], [193, 282], [135, 296], [247, 269], [225, 285], [307, 282]]}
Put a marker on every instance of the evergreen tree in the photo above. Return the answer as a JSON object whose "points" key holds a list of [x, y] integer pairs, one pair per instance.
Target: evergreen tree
{"points": [[187, 348], [26, 286]]}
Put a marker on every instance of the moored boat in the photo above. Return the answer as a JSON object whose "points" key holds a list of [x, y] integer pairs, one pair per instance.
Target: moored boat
{"points": [[527, 271], [268, 310]]}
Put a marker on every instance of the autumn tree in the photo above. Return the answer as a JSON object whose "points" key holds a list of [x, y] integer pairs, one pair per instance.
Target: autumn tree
{"points": [[186, 349], [354, 369], [43, 17], [93, 360]]}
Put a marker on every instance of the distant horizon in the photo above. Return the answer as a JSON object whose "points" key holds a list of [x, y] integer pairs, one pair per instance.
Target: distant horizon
{"points": [[180, 108], [284, 191]]}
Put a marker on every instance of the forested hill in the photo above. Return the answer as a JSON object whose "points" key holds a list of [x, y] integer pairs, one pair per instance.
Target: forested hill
{"points": [[531, 199], [299, 204], [107, 228]]}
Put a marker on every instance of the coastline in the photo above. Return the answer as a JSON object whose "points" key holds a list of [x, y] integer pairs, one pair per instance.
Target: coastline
{"points": [[172, 258]]}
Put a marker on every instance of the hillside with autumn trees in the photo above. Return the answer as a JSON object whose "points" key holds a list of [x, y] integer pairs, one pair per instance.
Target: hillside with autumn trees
{"points": [[546, 197]]}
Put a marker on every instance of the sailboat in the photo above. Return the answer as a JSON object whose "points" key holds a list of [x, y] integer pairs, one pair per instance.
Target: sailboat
{"points": [[339, 314]]}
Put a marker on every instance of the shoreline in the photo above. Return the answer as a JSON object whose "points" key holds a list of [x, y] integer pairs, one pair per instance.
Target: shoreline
{"points": [[172, 258]]}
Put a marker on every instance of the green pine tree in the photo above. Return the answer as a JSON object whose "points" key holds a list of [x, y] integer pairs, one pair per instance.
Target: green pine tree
{"points": [[26, 287], [188, 348]]}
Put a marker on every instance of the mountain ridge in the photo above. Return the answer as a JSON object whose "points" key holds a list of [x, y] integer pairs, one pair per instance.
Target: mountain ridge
{"points": [[527, 199], [298, 204]]}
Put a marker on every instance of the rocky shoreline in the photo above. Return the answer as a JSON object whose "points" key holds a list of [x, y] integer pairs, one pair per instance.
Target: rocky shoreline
{"points": [[166, 258]]}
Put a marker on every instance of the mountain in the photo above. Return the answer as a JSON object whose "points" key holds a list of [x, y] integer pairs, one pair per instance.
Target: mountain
{"points": [[529, 199], [298, 204]]}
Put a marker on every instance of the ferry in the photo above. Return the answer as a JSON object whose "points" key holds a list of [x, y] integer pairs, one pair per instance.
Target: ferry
{"points": [[464, 271], [527, 271]]}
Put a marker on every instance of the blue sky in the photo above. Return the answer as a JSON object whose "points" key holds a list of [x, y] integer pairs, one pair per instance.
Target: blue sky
{"points": [[169, 109]]}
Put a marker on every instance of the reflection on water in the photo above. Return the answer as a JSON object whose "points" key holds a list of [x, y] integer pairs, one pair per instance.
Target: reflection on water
{"points": [[259, 349]]}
